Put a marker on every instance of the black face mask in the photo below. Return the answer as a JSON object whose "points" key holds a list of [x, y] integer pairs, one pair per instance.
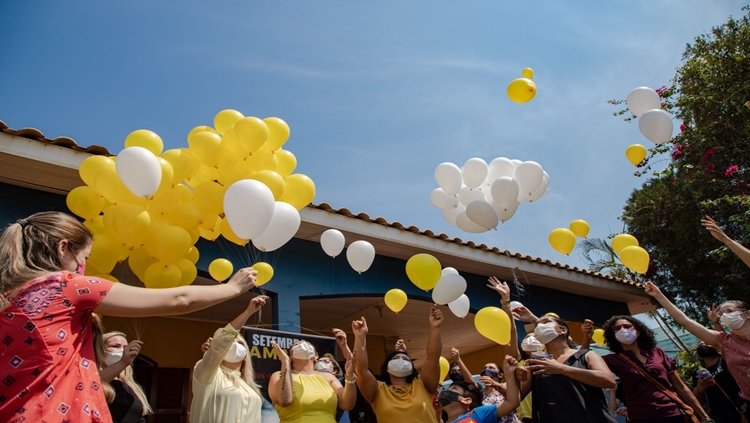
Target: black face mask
{"points": [[491, 373], [456, 376], [446, 397], [706, 351]]}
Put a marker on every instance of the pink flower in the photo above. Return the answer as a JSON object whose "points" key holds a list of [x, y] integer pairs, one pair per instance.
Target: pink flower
{"points": [[709, 152], [731, 170]]}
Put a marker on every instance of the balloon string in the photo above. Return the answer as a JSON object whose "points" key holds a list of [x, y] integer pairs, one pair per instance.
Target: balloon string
{"points": [[362, 292], [692, 194]]}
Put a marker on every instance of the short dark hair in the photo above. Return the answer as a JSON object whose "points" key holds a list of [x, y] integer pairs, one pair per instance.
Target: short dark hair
{"points": [[645, 339], [742, 305], [386, 377], [470, 391]]}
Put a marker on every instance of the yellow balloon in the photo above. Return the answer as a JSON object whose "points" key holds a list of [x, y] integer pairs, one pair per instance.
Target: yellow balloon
{"points": [[139, 261], [598, 337], [196, 180], [187, 216], [146, 139], [165, 201], [262, 160], [220, 269], [250, 133], [186, 193], [265, 273], [188, 271], [209, 196], [226, 119], [207, 221], [396, 300], [86, 202], [167, 174], [621, 241], [493, 324], [299, 190], [172, 243], [90, 166], [580, 228], [110, 185], [273, 181], [229, 234], [213, 233], [162, 275], [287, 162], [199, 129], [156, 226], [555, 315], [184, 165], [445, 366], [521, 90], [131, 223], [105, 251], [527, 73], [562, 240], [232, 169], [424, 271], [95, 225], [635, 154], [635, 258], [278, 133], [195, 235], [205, 147], [193, 255]]}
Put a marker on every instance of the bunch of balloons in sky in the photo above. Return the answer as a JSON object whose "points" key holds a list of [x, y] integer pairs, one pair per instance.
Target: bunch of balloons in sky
{"points": [[475, 197], [150, 206], [522, 90], [653, 122]]}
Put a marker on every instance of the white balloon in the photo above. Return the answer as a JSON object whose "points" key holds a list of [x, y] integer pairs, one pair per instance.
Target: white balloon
{"points": [[529, 175], [360, 255], [448, 289], [539, 192], [283, 226], [516, 162], [515, 304], [448, 271], [332, 242], [498, 168], [468, 195], [504, 215], [460, 306], [139, 170], [482, 213], [448, 177], [643, 99], [505, 191], [248, 207], [450, 215], [465, 224], [656, 125], [487, 191], [442, 200], [474, 172]]}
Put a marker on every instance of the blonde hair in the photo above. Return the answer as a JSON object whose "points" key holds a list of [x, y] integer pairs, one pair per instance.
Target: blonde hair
{"points": [[126, 376], [100, 353], [28, 248], [246, 369]]}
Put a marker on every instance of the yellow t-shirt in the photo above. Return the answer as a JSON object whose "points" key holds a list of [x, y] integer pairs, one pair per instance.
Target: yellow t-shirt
{"points": [[314, 401], [524, 409], [404, 403]]}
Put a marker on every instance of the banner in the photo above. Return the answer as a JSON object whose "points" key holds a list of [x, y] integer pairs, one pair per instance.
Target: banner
{"points": [[265, 361]]}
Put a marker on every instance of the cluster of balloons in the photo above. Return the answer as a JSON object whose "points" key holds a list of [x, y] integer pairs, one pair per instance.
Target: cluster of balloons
{"points": [[360, 254], [653, 122], [631, 254], [564, 240], [150, 206], [221, 269], [477, 196], [522, 90]]}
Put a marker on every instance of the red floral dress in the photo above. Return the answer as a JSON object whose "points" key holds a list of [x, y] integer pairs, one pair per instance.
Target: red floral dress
{"points": [[48, 372]]}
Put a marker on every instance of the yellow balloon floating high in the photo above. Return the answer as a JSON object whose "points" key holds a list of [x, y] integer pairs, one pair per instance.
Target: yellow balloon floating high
{"points": [[580, 228], [521, 90], [396, 300], [220, 269], [622, 241], [528, 73], [562, 240], [635, 258], [146, 139], [635, 154], [424, 271], [493, 324]]}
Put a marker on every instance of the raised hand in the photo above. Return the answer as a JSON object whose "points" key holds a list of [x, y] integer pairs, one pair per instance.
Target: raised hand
{"points": [[712, 314], [131, 351], [400, 346], [587, 328], [653, 290], [351, 364], [545, 366], [455, 356], [359, 327], [257, 302], [488, 381], [436, 317], [714, 229], [524, 314], [244, 279], [283, 356], [206, 345], [510, 365], [522, 374], [500, 287]]}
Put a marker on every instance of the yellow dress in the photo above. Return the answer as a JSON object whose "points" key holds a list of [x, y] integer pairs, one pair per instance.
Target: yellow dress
{"points": [[404, 403], [524, 409], [314, 401]]}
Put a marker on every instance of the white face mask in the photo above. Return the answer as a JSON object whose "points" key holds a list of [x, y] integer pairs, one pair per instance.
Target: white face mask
{"points": [[236, 353], [626, 336], [400, 367], [322, 366], [733, 320], [303, 351], [531, 344], [545, 332], [113, 357]]}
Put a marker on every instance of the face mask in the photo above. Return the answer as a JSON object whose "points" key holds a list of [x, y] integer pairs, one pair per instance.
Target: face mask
{"points": [[303, 351], [236, 353], [400, 367], [491, 373], [733, 320], [545, 332], [456, 375], [447, 397], [81, 266], [705, 351], [626, 336], [531, 344], [322, 366], [113, 357]]}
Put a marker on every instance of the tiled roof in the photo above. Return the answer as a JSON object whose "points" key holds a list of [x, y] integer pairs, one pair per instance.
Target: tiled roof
{"points": [[37, 135]]}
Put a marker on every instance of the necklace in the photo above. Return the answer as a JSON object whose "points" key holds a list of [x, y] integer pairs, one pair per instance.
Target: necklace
{"points": [[303, 374]]}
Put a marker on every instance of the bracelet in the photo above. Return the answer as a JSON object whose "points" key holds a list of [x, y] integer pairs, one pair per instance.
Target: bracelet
{"points": [[504, 303], [350, 381]]}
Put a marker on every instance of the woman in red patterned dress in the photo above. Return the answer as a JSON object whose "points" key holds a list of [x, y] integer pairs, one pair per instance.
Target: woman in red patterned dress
{"points": [[47, 365]]}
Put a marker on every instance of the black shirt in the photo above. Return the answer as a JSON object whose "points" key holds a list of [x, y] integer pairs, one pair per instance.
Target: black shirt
{"points": [[718, 403], [126, 407]]}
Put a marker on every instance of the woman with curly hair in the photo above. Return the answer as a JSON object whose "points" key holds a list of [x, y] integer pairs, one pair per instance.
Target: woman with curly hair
{"points": [[653, 390]]}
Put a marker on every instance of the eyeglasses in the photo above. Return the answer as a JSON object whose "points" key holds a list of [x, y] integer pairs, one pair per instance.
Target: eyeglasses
{"points": [[617, 328]]}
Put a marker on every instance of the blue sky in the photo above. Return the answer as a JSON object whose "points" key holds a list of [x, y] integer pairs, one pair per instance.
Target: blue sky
{"points": [[376, 93]]}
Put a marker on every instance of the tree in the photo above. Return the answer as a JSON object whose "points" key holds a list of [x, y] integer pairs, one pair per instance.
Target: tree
{"points": [[708, 173], [603, 259]]}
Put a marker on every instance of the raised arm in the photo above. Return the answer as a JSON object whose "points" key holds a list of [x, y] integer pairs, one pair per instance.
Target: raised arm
{"points": [[366, 381], [741, 251], [701, 332], [588, 331], [597, 374], [504, 291], [513, 390], [430, 372], [340, 336], [280, 385], [456, 357], [714, 318], [129, 301], [347, 394], [129, 353]]}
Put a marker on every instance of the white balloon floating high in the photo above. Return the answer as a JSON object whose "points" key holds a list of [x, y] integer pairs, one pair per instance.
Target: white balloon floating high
{"points": [[282, 227], [332, 242], [139, 170], [249, 207], [643, 99], [460, 306], [360, 255], [475, 197], [448, 289], [656, 125]]}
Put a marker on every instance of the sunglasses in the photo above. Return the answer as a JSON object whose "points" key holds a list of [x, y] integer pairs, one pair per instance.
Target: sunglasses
{"points": [[617, 328]]}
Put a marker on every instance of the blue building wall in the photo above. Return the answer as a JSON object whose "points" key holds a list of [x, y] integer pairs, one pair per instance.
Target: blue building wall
{"points": [[303, 271]]}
